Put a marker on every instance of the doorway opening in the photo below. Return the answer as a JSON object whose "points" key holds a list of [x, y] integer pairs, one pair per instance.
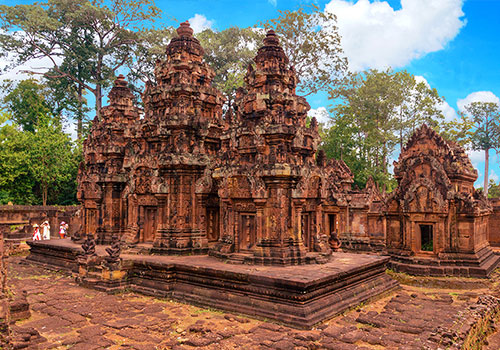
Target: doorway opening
{"points": [[426, 238]]}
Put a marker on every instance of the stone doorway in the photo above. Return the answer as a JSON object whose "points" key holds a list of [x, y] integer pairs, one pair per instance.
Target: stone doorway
{"points": [[426, 238], [149, 224], [213, 224], [332, 219], [247, 232]]}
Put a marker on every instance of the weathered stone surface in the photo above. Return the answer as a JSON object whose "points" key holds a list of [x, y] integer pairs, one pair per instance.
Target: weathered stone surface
{"points": [[437, 223], [279, 202]]}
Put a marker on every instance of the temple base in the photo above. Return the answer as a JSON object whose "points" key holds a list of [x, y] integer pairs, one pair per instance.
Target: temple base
{"points": [[298, 296], [479, 265]]}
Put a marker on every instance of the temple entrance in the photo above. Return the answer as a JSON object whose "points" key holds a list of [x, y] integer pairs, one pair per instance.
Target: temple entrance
{"points": [[247, 236], [426, 238], [149, 224], [306, 235], [331, 224], [212, 224]]}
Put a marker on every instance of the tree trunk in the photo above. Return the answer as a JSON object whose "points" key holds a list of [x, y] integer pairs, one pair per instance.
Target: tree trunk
{"points": [[79, 126], [44, 194], [98, 100], [486, 170]]}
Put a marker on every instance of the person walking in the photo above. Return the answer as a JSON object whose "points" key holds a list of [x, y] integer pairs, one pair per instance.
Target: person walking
{"points": [[45, 230], [36, 233], [63, 229]]}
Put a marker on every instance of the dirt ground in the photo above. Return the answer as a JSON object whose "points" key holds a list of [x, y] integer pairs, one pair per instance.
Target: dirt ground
{"points": [[68, 316]]}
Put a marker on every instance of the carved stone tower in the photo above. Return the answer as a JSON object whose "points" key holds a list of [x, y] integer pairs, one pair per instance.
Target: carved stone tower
{"points": [[437, 223], [268, 174], [171, 147], [101, 178]]}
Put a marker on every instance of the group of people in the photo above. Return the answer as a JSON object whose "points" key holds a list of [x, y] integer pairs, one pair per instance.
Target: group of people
{"points": [[42, 232]]}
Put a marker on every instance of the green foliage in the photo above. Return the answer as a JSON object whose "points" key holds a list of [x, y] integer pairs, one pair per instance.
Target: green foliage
{"points": [[311, 40], [16, 178], [485, 119], [493, 189], [39, 166], [150, 47], [94, 38], [479, 129], [26, 102], [229, 52], [374, 112]]}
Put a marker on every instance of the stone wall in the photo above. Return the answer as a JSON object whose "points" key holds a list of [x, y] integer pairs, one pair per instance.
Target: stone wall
{"points": [[4, 301], [494, 223], [16, 220]]}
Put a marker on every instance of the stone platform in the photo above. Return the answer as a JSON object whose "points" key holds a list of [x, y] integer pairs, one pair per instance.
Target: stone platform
{"points": [[298, 296], [479, 265]]}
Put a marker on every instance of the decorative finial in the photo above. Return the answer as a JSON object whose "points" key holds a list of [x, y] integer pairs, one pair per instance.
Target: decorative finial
{"points": [[185, 30], [120, 81], [271, 38]]}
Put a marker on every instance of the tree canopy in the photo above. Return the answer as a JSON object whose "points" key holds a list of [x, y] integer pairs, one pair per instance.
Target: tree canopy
{"points": [[373, 112]]}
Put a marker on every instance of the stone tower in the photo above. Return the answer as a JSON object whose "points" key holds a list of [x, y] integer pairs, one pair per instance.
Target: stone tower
{"points": [[101, 177], [270, 186], [170, 149]]}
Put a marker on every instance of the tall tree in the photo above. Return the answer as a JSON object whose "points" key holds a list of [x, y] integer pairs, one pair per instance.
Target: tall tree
{"points": [[485, 118], [311, 40], [379, 110], [96, 35], [51, 156]]}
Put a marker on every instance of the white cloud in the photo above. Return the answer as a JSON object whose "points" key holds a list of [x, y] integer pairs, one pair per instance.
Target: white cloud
{"points": [[374, 35], [321, 115], [421, 79], [199, 23], [478, 96], [273, 2], [476, 157], [448, 111]]}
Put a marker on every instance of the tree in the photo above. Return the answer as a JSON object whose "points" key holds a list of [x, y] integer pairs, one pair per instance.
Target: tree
{"points": [[485, 119], [149, 48], [493, 189], [378, 110], [16, 178], [229, 52], [26, 102], [94, 35], [311, 41], [39, 166]]}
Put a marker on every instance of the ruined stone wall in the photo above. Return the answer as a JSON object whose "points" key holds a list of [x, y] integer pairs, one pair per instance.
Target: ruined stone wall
{"points": [[17, 220], [4, 301], [494, 223]]}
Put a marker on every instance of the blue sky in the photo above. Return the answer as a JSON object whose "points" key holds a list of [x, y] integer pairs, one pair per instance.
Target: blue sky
{"points": [[452, 44]]}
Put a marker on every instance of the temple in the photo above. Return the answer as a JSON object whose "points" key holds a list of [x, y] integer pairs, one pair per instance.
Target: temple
{"points": [[194, 196], [251, 186], [437, 223]]}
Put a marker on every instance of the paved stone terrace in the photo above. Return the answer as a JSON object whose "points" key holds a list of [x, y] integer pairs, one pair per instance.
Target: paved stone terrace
{"points": [[71, 317]]}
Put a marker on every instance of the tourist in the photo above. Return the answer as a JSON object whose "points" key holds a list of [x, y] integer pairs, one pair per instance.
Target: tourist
{"points": [[63, 229], [45, 230], [36, 233]]}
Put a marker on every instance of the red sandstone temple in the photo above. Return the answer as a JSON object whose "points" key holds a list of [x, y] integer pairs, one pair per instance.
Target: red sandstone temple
{"points": [[250, 186]]}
